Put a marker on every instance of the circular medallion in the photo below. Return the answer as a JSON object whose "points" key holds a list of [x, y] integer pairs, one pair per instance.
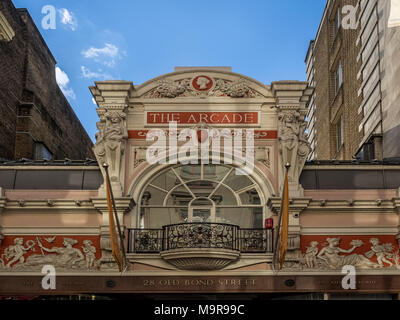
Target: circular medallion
{"points": [[202, 83]]}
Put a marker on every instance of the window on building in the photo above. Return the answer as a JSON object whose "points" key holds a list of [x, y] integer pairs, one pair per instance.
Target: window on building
{"points": [[41, 152], [339, 134], [201, 193], [338, 78], [338, 21]]}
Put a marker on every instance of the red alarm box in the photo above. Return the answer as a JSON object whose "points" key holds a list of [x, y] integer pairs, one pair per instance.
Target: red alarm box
{"points": [[269, 223]]}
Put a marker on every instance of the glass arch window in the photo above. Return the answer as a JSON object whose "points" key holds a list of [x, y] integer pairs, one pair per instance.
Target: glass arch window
{"points": [[201, 193]]}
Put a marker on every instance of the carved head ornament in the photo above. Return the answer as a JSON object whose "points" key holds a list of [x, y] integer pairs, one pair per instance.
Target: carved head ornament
{"points": [[69, 241]]}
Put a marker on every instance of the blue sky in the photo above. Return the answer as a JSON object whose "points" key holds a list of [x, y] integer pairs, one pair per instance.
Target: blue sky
{"points": [[138, 40]]}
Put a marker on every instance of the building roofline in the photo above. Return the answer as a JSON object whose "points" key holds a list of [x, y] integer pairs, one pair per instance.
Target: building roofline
{"points": [[25, 12], [320, 24], [310, 48]]}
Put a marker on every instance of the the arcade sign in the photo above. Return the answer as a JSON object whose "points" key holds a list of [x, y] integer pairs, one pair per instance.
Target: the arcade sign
{"points": [[214, 118]]}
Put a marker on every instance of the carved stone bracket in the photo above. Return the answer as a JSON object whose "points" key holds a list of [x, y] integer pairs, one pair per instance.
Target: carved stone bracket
{"points": [[291, 100], [111, 142], [112, 99], [294, 145]]}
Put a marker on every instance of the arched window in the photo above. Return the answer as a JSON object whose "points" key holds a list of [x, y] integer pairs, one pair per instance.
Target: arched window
{"points": [[201, 193]]}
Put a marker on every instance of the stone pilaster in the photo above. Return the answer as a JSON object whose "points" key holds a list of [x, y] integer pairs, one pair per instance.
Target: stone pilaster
{"points": [[291, 99], [3, 202], [112, 98], [297, 206], [396, 202], [123, 206]]}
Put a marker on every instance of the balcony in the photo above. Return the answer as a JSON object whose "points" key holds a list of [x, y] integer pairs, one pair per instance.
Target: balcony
{"points": [[200, 246]]}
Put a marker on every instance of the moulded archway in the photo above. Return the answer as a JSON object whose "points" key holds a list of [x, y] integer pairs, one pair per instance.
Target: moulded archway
{"points": [[163, 194]]}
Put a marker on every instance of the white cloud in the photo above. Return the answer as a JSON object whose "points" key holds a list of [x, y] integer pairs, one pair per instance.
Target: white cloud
{"points": [[106, 55], [68, 19], [100, 75], [63, 81], [94, 101], [109, 50]]}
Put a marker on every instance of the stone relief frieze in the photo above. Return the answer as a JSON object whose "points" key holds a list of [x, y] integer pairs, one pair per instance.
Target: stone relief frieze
{"points": [[26, 255], [333, 256], [220, 88]]}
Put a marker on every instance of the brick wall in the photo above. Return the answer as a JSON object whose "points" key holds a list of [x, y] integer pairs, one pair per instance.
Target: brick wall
{"points": [[331, 50], [32, 106], [322, 124]]}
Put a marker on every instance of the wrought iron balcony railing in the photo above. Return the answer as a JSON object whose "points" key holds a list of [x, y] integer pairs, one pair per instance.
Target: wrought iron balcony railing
{"points": [[200, 235]]}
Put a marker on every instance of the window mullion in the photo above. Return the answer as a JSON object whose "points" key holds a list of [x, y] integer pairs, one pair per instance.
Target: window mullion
{"points": [[184, 183], [219, 184]]}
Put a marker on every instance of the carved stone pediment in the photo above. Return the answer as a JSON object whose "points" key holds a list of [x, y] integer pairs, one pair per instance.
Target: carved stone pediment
{"points": [[202, 86]]}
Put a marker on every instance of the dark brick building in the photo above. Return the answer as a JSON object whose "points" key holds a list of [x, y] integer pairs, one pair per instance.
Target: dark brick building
{"points": [[36, 120]]}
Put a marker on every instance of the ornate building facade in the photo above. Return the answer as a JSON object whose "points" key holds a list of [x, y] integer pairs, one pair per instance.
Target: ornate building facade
{"points": [[199, 227]]}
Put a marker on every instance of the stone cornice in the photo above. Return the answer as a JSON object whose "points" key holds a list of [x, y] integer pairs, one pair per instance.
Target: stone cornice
{"points": [[122, 204], [297, 205], [361, 206], [353, 230], [6, 31], [112, 94], [3, 202], [48, 206], [29, 230]]}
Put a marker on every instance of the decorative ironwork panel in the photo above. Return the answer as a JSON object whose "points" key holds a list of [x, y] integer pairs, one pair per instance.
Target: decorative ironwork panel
{"points": [[145, 240], [256, 240], [201, 235]]}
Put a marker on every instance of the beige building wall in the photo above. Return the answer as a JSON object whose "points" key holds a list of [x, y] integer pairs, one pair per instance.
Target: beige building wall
{"points": [[333, 117], [360, 118], [390, 82]]}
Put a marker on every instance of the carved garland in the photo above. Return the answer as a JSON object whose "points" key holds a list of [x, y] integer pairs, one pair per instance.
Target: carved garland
{"points": [[172, 89]]}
